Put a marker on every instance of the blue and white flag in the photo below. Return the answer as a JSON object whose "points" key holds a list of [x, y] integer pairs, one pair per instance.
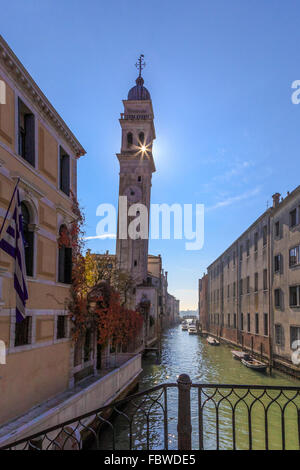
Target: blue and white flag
{"points": [[13, 244]]}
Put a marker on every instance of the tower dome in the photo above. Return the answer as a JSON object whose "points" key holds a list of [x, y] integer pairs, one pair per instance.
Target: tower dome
{"points": [[139, 92]]}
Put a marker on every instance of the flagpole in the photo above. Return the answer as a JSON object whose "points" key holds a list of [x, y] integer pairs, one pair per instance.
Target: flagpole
{"points": [[4, 220]]}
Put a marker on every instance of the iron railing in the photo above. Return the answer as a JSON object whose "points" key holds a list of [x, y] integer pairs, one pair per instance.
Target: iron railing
{"points": [[182, 416]]}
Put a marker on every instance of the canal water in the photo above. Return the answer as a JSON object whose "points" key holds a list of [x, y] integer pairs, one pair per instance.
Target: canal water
{"points": [[190, 354]]}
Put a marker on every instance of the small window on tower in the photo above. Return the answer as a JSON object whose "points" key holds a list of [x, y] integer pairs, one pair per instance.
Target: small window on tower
{"points": [[142, 138], [135, 262], [139, 179], [129, 139]]}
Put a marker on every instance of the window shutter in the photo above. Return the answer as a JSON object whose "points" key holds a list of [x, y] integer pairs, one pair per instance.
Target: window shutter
{"points": [[61, 264], [29, 138]]}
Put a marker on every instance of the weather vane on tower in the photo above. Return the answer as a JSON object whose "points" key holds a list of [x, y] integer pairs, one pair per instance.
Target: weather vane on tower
{"points": [[141, 64]]}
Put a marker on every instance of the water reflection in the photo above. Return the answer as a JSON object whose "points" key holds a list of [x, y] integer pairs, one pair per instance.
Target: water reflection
{"points": [[190, 354]]}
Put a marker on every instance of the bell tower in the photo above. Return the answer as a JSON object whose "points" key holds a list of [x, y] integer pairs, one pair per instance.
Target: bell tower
{"points": [[136, 168]]}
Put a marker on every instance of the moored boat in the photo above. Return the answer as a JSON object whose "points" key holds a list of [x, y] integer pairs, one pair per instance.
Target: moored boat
{"points": [[239, 355], [254, 364], [192, 330], [184, 326], [212, 341]]}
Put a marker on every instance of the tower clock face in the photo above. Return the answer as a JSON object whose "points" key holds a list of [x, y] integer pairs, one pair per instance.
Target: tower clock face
{"points": [[133, 193]]}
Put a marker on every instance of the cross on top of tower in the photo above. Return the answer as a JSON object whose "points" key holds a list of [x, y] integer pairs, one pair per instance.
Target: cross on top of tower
{"points": [[141, 64]]}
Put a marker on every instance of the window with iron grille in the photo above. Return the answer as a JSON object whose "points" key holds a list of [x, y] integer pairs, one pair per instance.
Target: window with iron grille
{"points": [[264, 235], [23, 332], [256, 323], [256, 282], [265, 279], [277, 299], [294, 296], [294, 256], [61, 331], [277, 263], [255, 241], [278, 335], [293, 218], [266, 327], [294, 335], [248, 284]]}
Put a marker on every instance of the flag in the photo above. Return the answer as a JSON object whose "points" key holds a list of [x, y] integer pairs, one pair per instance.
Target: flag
{"points": [[13, 244]]}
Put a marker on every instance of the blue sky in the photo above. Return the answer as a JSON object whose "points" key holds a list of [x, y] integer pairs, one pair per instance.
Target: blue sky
{"points": [[219, 73]]}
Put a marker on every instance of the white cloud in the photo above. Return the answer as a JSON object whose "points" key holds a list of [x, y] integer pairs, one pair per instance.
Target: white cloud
{"points": [[101, 237], [233, 199]]}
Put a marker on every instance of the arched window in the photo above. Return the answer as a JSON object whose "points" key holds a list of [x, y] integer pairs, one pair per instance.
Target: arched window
{"points": [[64, 256], [28, 239], [129, 139], [142, 138]]}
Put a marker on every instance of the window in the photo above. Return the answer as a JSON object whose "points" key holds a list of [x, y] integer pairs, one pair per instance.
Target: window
{"points": [[277, 229], [248, 284], [234, 320], [294, 335], [135, 262], [293, 218], [228, 320], [26, 134], [23, 332], [228, 261], [256, 282], [233, 257], [294, 257], [28, 239], [255, 241], [248, 323], [277, 263], [61, 331], [64, 165], [129, 139], [242, 321], [279, 335], [64, 257], [241, 252], [277, 298], [139, 179], [256, 323], [264, 235], [142, 138], [265, 279], [248, 247], [295, 296], [266, 324], [241, 286], [87, 346], [228, 291], [234, 289]]}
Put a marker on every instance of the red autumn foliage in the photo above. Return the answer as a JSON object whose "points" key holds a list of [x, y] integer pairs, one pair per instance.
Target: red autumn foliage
{"points": [[113, 320]]}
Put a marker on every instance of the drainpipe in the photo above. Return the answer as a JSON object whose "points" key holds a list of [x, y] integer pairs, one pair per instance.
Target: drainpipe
{"points": [[237, 293]]}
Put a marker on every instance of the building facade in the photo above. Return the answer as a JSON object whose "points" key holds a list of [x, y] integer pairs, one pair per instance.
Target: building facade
{"points": [[253, 287]]}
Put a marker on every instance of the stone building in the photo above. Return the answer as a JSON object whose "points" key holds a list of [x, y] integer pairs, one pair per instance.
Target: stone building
{"points": [[203, 303], [45, 379], [253, 287], [285, 229]]}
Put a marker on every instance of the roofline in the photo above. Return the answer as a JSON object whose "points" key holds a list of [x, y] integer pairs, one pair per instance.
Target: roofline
{"points": [[17, 71], [267, 212]]}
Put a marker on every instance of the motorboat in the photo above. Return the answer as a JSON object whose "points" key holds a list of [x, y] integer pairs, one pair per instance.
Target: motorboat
{"points": [[192, 329], [184, 326], [212, 341]]}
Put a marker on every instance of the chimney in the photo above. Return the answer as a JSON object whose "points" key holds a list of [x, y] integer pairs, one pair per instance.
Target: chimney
{"points": [[276, 197]]}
